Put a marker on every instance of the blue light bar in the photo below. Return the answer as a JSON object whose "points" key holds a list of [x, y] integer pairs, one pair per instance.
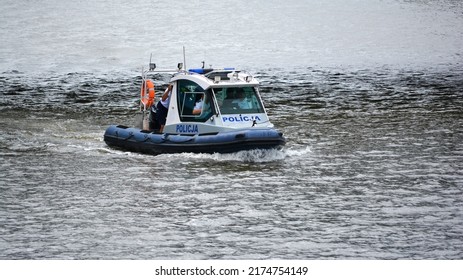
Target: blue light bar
{"points": [[205, 71], [197, 70]]}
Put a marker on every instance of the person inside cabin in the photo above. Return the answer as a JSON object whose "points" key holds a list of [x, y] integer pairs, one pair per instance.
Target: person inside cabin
{"points": [[241, 100], [163, 107], [201, 105]]}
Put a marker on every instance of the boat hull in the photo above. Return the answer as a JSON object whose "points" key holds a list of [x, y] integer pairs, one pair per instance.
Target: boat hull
{"points": [[141, 141]]}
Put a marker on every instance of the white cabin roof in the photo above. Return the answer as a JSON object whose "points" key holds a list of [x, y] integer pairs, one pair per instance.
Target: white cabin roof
{"points": [[225, 78]]}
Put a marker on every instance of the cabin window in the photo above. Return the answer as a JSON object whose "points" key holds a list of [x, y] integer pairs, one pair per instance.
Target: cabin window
{"points": [[193, 102], [238, 100]]}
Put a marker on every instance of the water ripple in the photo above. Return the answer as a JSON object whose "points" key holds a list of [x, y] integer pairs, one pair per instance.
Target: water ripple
{"points": [[371, 170]]}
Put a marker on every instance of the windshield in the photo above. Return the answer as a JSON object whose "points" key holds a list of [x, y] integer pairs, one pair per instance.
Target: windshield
{"points": [[238, 100]]}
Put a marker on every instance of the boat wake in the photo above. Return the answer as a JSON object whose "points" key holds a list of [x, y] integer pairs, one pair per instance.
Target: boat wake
{"points": [[250, 156]]}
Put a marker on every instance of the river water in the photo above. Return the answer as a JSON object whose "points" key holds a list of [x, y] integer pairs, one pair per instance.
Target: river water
{"points": [[369, 95]]}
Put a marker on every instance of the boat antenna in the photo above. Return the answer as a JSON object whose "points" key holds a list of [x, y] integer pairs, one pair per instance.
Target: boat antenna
{"points": [[184, 59]]}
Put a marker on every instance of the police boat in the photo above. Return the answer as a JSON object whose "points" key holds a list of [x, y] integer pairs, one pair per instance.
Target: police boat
{"points": [[232, 117]]}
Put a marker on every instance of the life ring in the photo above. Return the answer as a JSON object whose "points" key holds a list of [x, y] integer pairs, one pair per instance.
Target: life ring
{"points": [[147, 93]]}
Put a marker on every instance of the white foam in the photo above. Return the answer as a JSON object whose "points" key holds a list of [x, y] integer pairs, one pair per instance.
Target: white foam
{"points": [[247, 156], [298, 152]]}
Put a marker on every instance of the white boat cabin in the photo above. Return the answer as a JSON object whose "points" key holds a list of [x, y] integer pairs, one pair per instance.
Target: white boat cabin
{"points": [[210, 101]]}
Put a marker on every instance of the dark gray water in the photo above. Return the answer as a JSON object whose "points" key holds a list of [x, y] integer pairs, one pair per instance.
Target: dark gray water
{"points": [[373, 167]]}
